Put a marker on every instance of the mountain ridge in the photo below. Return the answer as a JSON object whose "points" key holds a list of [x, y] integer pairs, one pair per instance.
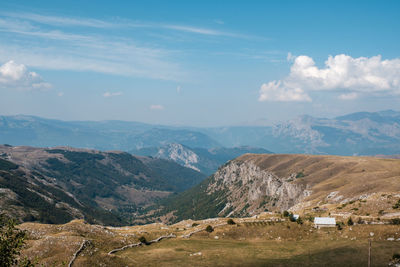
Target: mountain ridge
{"points": [[251, 184]]}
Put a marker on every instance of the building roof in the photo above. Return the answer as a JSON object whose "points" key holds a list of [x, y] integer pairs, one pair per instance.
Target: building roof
{"points": [[324, 220]]}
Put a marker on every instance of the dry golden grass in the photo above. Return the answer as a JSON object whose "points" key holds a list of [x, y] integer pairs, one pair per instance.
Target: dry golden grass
{"points": [[250, 242], [348, 177]]}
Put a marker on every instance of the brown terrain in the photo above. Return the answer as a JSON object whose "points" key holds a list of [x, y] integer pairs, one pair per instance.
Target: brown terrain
{"points": [[268, 240], [303, 184], [360, 185]]}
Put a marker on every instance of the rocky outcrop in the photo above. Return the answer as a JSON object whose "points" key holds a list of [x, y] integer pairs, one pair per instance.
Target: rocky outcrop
{"points": [[251, 190], [180, 154]]}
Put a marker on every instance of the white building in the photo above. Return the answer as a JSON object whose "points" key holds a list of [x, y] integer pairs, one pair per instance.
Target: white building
{"points": [[324, 222]]}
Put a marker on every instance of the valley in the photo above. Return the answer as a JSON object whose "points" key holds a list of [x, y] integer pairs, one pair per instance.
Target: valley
{"points": [[55, 185]]}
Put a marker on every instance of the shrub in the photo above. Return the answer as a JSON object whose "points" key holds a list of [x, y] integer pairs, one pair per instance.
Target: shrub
{"points": [[350, 222], [310, 218], [299, 220], [209, 228], [339, 226], [292, 218], [300, 174], [395, 221], [143, 240], [397, 205], [194, 224], [231, 222], [11, 241], [396, 256], [286, 213]]}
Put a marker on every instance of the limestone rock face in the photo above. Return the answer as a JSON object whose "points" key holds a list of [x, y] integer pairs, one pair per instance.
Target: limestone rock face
{"points": [[251, 190]]}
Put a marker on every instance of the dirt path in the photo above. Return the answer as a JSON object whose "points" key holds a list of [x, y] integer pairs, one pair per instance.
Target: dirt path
{"points": [[141, 243], [82, 247]]}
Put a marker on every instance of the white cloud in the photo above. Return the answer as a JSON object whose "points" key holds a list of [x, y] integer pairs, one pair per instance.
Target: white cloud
{"points": [[17, 76], [355, 75], [109, 94], [60, 94], [274, 91], [178, 89], [156, 107], [349, 96]]}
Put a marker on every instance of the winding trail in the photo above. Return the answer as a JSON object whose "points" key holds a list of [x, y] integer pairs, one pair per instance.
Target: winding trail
{"points": [[199, 230], [141, 243], [160, 238], [82, 247]]}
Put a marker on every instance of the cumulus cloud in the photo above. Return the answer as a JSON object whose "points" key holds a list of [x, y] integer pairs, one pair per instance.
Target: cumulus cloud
{"points": [[17, 76], [342, 72], [275, 91], [109, 94], [156, 107]]}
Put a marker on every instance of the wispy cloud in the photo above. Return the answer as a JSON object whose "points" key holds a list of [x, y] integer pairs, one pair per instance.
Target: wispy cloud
{"points": [[197, 30], [349, 96], [86, 44], [59, 21], [156, 107], [85, 52], [111, 94], [115, 23]]}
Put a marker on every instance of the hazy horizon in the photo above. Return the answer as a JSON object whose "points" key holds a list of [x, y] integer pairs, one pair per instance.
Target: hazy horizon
{"points": [[255, 123]]}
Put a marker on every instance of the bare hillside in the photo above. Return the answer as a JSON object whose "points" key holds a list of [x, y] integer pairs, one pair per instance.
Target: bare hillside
{"points": [[252, 184]]}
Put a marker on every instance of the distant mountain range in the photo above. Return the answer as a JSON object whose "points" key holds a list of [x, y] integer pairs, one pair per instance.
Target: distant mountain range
{"points": [[363, 133], [103, 135]]}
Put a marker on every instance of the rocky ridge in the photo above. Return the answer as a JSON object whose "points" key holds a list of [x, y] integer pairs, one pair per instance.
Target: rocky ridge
{"points": [[251, 184], [252, 190]]}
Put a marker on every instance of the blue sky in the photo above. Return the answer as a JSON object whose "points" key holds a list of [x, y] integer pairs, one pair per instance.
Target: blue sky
{"points": [[202, 63]]}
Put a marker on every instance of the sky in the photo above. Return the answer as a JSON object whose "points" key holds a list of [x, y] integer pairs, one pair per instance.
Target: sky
{"points": [[198, 63]]}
